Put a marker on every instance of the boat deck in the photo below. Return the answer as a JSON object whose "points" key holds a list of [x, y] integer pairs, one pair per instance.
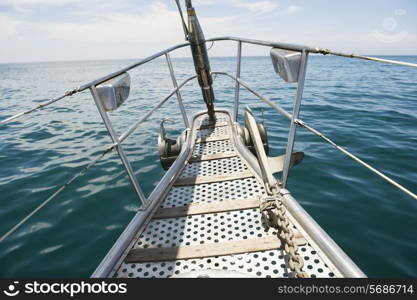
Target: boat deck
{"points": [[210, 220]]}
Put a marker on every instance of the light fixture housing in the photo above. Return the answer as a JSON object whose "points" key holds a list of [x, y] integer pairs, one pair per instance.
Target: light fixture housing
{"points": [[114, 92], [286, 64]]}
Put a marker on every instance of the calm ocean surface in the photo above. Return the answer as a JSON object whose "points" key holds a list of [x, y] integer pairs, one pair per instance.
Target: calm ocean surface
{"points": [[369, 108]]}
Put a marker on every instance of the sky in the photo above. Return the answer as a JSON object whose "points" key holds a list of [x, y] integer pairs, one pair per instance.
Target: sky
{"points": [[56, 30]]}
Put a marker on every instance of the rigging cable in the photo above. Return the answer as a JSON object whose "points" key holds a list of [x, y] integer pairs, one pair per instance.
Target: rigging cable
{"points": [[211, 46], [301, 123], [42, 105], [57, 192], [96, 160], [182, 20], [355, 158]]}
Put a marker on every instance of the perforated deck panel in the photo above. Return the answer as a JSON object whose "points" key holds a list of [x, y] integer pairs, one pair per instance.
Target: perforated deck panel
{"points": [[212, 192], [213, 132], [218, 227]]}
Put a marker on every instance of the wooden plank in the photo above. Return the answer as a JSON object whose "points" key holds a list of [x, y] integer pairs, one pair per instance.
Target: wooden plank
{"points": [[220, 124], [212, 139], [138, 255], [196, 158], [205, 250], [210, 179], [206, 208]]}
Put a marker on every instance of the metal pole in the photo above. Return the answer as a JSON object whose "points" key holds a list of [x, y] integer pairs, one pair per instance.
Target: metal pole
{"points": [[119, 148], [296, 110], [200, 59], [237, 86], [136, 226], [149, 113], [264, 99], [179, 98]]}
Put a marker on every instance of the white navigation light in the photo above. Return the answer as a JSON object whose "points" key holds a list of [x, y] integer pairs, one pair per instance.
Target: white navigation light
{"points": [[114, 92], [286, 64]]}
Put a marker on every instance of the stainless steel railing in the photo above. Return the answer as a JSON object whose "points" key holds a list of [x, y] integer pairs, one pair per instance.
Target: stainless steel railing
{"points": [[305, 50], [117, 140], [303, 124]]}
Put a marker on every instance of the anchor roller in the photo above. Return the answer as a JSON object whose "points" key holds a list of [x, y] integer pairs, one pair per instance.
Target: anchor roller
{"points": [[169, 149], [269, 164], [247, 140]]}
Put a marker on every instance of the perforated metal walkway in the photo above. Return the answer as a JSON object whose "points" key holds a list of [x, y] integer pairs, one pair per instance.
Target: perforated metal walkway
{"points": [[210, 219]]}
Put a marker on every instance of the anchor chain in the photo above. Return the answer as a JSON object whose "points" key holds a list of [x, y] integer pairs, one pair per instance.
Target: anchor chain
{"points": [[274, 215]]}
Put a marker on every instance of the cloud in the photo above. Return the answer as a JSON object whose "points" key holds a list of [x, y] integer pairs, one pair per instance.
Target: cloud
{"points": [[113, 29], [8, 25], [157, 23], [257, 7], [292, 9], [38, 2], [197, 3]]}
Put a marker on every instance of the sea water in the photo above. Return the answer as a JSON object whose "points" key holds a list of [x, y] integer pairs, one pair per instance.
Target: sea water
{"points": [[368, 108]]}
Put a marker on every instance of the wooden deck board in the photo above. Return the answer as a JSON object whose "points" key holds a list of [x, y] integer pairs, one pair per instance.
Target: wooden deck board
{"points": [[219, 124], [210, 179], [197, 158], [206, 208], [272, 242], [212, 139]]}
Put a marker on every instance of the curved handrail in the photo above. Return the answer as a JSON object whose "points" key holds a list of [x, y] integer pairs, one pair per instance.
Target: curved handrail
{"points": [[95, 82], [318, 50], [285, 46], [109, 149], [319, 134], [128, 68], [281, 111]]}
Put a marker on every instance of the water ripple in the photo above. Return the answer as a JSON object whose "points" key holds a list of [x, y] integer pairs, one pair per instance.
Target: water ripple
{"points": [[367, 108]]}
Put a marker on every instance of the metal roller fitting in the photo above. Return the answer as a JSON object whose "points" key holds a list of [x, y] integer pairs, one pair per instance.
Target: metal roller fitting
{"points": [[247, 140], [169, 149]]}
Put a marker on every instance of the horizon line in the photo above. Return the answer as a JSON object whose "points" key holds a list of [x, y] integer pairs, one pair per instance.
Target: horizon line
{"points": [[174, 57]]}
